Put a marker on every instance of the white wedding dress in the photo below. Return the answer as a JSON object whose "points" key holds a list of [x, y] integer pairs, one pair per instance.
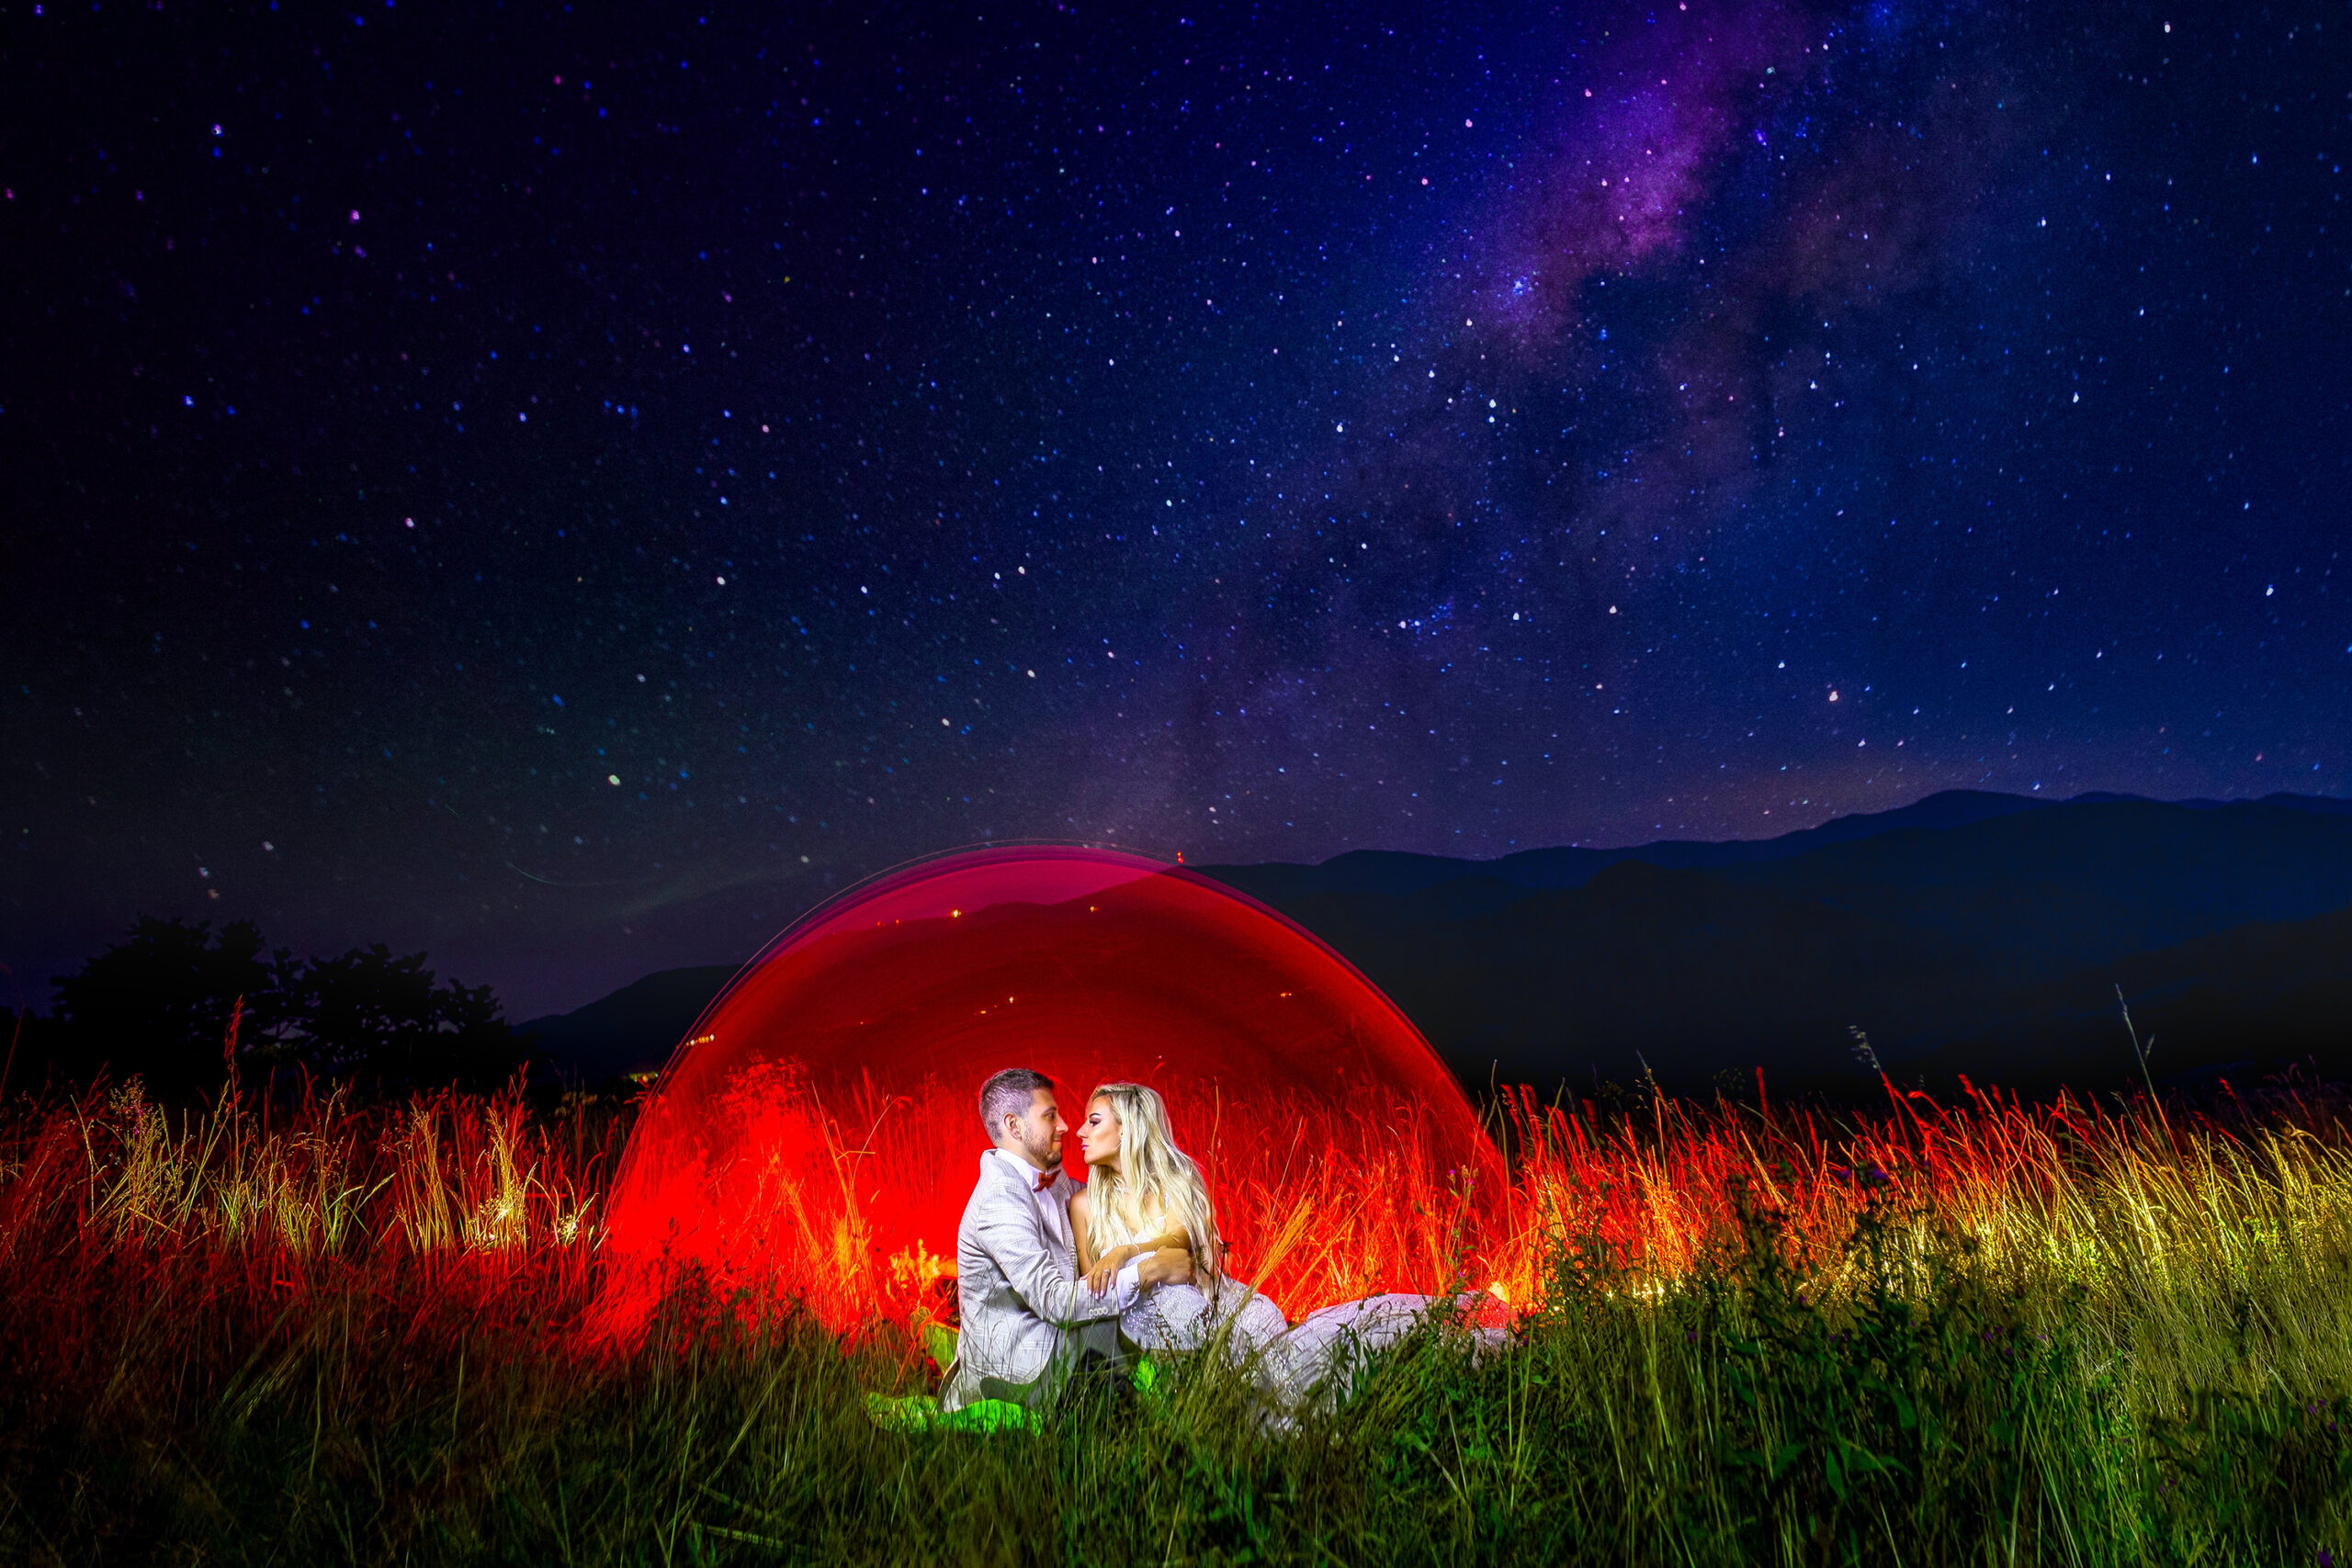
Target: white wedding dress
{"points": [[1309, 1362]]}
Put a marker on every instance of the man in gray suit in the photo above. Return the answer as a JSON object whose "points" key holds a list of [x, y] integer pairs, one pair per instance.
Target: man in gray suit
{"points": [[1027, 1317]]}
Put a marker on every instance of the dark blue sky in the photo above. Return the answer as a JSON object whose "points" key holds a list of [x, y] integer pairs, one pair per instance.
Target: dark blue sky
{"points": [[570, 492]]}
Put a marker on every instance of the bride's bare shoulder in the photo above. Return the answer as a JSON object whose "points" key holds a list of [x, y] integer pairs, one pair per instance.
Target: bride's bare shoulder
{"points": [[1077, 1204]]}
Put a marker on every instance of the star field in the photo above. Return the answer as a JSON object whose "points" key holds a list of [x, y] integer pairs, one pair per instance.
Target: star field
{"points": [[572, 492]]}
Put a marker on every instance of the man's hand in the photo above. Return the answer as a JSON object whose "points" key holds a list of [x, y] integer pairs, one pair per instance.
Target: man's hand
{"points": [[1106, 1267], [1171, 1266]]}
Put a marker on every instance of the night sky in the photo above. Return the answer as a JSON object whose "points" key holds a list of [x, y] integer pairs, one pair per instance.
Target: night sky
{"points": [[568, 491]]}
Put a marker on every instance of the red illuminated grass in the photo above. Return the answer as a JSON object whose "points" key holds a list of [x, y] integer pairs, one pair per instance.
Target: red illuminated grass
{"points": [[821, 1130], [469, 1193], [2104, 1334], [2072, 1189]]}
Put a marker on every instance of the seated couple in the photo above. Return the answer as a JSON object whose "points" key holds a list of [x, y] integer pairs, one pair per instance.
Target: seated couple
{"points": [[1050, 1274]]}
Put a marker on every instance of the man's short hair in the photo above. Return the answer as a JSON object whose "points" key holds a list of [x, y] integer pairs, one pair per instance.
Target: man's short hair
{"points": [[1008, 1094]]}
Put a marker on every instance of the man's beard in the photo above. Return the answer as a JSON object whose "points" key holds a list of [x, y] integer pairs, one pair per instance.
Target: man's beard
{"points": [[1045, 1153]]}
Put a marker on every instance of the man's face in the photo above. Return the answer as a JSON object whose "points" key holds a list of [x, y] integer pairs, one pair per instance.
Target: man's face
{"points": [[1038, 1136]]}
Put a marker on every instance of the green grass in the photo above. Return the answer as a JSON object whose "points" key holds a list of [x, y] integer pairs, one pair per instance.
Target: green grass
{"points": [[171, 1392], [395, 1415]]}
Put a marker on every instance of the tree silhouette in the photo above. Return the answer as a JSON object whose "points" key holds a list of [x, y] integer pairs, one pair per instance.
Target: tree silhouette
{"points": [[381, 1022], [160, 1003]]}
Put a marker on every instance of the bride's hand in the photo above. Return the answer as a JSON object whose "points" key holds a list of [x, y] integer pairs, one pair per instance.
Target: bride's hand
{"points": [[1106, 1268]]}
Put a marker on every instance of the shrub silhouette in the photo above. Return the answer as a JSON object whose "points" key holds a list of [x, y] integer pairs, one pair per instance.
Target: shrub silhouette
{"points": [[158, 1004], [179, 1005], [382, 1022]]}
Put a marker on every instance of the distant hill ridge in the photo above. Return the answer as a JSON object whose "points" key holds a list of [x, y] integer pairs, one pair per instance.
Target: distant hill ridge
{"points": [[1966, 926], [635, 1027], [1397, 871]]}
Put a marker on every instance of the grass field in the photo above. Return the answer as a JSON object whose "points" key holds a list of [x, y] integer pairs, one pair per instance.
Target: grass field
{"points": [[1977, 1333]]}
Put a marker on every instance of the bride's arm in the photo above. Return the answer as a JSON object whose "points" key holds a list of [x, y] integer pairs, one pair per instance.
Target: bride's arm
{"points": [[1171, 1238], [1098, 1273]]}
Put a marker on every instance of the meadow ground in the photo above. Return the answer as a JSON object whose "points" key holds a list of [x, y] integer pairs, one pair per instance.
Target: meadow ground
{"points": [[1986, 1332]]}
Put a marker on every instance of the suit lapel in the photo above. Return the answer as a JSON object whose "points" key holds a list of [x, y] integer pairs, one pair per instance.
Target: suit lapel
{"points": [[1053, 1217], [1056, 1214]]}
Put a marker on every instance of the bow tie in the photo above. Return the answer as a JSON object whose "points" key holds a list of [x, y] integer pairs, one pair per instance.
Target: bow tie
{"points": [[1045, 1179]]}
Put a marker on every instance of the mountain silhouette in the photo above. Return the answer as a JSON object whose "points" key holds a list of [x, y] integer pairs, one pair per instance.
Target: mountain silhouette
{"points": [[632, 1030], [1967, 932], [1966, 921]]}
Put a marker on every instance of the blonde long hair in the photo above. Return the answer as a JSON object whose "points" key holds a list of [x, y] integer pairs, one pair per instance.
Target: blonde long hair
{"points": [[1157, 1169]]}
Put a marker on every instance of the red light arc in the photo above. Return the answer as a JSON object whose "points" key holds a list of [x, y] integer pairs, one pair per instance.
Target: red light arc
{"points": [[819, 1131]]}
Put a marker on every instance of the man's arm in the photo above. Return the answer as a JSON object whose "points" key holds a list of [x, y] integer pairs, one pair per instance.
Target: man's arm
{"points": [[1098, 1272], [1015, 1239]]}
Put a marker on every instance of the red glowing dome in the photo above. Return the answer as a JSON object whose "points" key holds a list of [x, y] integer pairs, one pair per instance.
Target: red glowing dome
{"points": [[821, 1127]]}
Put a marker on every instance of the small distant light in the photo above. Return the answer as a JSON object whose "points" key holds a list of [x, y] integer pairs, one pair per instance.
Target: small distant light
{"points": [[408, 522], [612, 778], [354, 215], [722, 582]]}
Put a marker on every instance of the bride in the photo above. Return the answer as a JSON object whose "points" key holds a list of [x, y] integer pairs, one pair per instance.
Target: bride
{"points": [[1144, 1194]]}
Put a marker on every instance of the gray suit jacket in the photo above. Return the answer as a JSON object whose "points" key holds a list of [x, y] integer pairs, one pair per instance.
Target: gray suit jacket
{"points": [[1026, 1316]]}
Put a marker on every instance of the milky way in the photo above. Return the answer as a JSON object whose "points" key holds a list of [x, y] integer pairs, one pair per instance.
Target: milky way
{"points": [[572, 494]]}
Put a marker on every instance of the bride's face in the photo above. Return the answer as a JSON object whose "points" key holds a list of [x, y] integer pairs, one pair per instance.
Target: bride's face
{"points": [[1098, 1135]]}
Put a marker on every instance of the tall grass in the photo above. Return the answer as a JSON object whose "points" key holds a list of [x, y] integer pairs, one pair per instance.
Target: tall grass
{"points": [[852, 1205], [1985, 1333]]}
